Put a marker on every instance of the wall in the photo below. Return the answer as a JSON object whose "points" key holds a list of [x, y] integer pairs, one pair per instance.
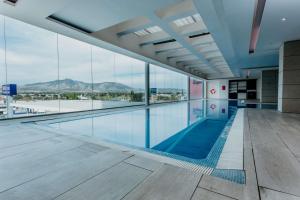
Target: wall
{"points": [[217, 89], [289, 81], [258, 88], [269, 86]]}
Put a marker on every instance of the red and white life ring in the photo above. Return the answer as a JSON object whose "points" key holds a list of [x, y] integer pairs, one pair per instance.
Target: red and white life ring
{"points": [[213, 91]]}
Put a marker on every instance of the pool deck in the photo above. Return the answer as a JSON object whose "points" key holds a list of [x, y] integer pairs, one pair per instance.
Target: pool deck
{"points": [[37, 164]]}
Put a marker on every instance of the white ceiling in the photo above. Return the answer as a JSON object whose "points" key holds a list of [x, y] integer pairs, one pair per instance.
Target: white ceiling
{"points": [[229, 23], [99, 14], [175, 25], [35, 12]]}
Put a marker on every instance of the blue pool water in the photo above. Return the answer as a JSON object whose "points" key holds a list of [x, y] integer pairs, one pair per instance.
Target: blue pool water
{"points": [[195, 142], [188, 130]]}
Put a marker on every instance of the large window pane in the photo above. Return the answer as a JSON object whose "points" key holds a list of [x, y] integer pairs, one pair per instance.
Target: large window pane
{"points": [[55, 73], [118, 79], [167, 85], [75, 75], [196, 88], [103, 77], [131, 73], [2, 68], [32, 65]]}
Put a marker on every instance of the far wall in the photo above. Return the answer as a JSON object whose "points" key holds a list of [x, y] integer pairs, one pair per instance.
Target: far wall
{"points": [[217, 89], [269, 87]]}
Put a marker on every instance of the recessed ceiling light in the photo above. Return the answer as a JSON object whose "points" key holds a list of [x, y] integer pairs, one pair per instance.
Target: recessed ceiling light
{"points": [[283, 19]]}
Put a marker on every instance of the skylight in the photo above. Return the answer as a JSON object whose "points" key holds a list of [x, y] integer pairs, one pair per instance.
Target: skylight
{"points": [[188, 20], [184, 21], [141, 32], [197, 17], [154, 29], [146, 31]]}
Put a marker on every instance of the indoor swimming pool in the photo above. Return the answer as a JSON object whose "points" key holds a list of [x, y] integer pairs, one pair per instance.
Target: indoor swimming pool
{"points": [[192, 131]]}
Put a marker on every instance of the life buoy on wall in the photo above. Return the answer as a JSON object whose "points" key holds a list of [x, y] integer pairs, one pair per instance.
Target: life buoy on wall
{"points": [[213, 91]]}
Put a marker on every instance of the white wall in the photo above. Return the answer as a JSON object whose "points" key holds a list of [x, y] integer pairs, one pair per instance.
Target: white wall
{"points": [[216, 90]]}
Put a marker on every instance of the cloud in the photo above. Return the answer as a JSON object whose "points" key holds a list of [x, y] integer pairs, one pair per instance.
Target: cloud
{"points": [[32, 57]]}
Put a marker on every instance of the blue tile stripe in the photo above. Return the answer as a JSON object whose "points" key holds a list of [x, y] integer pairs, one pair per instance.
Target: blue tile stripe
{"points": [[237, 176]]}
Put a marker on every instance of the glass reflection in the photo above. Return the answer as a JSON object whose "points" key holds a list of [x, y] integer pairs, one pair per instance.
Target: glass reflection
{"points": [[55, 73], [217, 109], [196, 111]]}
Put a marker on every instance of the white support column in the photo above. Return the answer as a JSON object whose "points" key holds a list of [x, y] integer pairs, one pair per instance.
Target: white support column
{"points": [[188, 88], [147, 83], [204, 89]]}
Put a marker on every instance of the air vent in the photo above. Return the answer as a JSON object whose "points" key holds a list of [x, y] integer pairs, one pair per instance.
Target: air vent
{"points": [[68, 24], [11, 2], [199, 35], [164, 42]]}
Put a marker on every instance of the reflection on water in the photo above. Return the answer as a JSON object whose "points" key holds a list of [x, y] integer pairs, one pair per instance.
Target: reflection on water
{"points": [[188, 129]]}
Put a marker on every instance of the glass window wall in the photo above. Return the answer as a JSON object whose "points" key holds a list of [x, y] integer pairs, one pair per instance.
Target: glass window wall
{"points": [[55, 73], [2, 68], [32, 65], [75, 77], [196, 88], [167, 85], [118, 79]]}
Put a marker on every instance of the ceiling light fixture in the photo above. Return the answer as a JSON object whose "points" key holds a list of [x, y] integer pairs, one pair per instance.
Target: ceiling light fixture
{"points": [[283, 19]]}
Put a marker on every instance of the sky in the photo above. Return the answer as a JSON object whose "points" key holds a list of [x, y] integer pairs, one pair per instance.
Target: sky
{"points": [[32, 57]]}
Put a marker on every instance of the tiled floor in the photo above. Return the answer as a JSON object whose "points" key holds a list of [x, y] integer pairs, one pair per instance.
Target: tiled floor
{"points": [[37, 164], [276, 144]]}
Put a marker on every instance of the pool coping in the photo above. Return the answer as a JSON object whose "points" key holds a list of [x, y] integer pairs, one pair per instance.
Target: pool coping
{"points": [[232, 153]]}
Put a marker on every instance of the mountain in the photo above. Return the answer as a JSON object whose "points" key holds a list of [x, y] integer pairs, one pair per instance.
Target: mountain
{"points": [[69, 85]]}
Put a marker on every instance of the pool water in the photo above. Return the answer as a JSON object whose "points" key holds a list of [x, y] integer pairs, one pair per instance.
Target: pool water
{"points": [[189, 131], [195, 142]]}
